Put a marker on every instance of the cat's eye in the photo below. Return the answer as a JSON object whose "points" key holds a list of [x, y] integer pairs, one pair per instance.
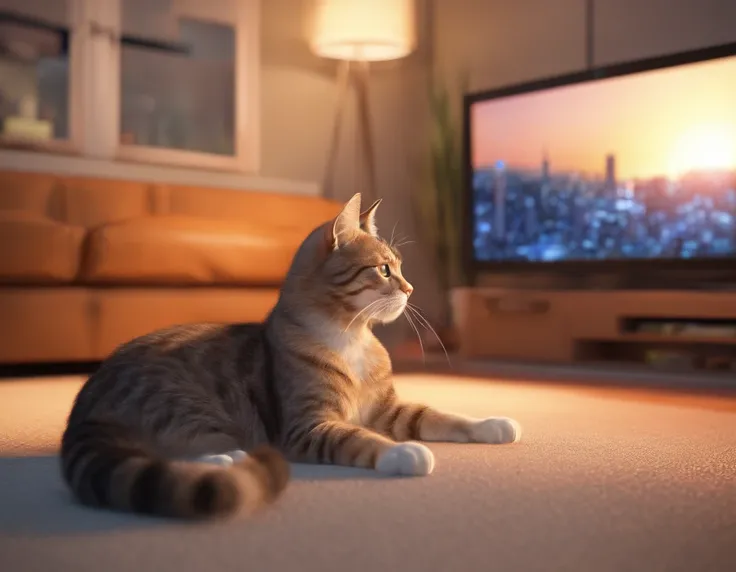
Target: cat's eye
{"points": [[384, 270]]}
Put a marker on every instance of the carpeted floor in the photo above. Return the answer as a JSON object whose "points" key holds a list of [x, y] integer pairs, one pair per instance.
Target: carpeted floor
{"points": [[604, 479]]}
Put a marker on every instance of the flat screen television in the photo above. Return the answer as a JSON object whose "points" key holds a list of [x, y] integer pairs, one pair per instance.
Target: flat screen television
{"points": [[632, 165]]}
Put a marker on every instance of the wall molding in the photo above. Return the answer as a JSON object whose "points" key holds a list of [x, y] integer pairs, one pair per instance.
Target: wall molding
{"points": [[35, 162]]}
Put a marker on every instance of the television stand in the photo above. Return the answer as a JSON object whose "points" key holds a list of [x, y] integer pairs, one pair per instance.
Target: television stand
{"points": [[681, 329]]}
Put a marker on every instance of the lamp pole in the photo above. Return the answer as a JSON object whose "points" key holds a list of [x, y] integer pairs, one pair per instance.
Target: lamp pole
{"points": [[355, 74], [358, 32]]}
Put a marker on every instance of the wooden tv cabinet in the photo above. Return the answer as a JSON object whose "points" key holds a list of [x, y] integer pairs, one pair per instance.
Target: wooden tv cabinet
{"points": [[569, 326]]}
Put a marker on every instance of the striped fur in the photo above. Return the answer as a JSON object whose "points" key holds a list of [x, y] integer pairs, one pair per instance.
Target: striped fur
{"points": [[106, 466], [310, 384]]}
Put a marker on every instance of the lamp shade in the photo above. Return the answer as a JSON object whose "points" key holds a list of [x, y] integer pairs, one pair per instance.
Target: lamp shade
{"points": [[369, 30]]}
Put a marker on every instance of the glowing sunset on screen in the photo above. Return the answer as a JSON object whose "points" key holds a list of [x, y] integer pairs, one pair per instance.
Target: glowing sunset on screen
{"points": [[704, 147], [659, 123]]}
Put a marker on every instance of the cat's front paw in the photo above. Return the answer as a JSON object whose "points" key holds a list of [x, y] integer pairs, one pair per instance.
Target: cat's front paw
{"points": [[496, 430], [223, 459], [410, 458]]}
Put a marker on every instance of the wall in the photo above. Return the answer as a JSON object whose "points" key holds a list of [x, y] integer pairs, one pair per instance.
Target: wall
{"points": [[298, 99], [502, 42], [632, 29]]}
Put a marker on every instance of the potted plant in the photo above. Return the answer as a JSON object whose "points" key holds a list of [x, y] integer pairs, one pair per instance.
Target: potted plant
{"points": [[438, 205]]}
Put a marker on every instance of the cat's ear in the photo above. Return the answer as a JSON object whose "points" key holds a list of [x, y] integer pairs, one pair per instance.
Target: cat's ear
{"points": [[368, 219], [346, 223]]}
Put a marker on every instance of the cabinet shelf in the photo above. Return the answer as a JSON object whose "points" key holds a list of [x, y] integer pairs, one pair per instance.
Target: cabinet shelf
{"points": [[646, 338]]}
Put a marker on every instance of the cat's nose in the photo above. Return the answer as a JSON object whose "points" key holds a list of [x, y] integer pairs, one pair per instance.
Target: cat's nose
{"points": [[407, 289]]}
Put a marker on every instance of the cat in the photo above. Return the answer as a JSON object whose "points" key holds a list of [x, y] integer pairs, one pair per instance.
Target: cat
{"points": [[201, 421]]}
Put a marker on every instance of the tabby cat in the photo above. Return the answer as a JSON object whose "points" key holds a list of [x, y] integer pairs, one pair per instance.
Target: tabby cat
{"points": [[163, 426]]}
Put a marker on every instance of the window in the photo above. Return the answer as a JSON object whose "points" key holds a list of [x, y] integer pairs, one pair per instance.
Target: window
{"points": [[172, 82]]}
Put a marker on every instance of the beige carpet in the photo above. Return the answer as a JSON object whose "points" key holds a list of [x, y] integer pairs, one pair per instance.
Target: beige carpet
{"points": [[603, 480]]}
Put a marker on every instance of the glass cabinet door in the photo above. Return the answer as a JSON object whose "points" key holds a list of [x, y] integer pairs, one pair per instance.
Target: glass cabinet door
{"points": [[177, 79]]}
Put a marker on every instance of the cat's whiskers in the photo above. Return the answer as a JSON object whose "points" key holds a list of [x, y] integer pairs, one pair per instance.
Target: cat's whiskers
{"points": [[397, 241], [414, 327], [378, 310], [422, 320], [372, 304], [393, 231]]}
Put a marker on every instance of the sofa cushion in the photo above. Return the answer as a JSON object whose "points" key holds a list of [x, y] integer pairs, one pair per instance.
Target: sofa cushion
{"points": [[34, 192], [38, 250], [182, 250], [93, 202], [282, 210]]}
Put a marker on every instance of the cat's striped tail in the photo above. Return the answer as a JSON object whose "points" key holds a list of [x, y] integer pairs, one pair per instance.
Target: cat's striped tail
{"points": [[105, 466]]}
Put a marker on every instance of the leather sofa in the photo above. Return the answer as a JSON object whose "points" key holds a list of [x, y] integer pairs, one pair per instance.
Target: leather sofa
{"points": [[87, 264]]}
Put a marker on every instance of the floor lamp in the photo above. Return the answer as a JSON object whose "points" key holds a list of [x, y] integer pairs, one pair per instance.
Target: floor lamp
{"points": [[358, 32]]}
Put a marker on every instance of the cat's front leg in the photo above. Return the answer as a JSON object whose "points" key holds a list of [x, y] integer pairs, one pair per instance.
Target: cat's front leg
{"points": [[341, 443], [410, 421]]}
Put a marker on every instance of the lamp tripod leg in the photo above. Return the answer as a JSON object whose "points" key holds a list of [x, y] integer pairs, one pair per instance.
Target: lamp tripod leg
{"points": [[364, 145], [344, 73]]}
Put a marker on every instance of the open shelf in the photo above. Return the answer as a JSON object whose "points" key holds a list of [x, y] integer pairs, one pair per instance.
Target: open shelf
{"points": [[689, 328], [666, 339], [659, 353], [672, 330]]}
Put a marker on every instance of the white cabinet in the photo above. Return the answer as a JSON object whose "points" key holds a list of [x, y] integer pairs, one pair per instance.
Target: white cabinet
{"points": [[171, 82]]}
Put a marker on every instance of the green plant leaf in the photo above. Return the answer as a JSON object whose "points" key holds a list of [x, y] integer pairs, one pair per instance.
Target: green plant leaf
{"points": [[438, 202]]}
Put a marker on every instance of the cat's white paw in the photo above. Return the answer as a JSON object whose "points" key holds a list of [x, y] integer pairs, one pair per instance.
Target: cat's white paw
{"points": [[496, 430], [410, 458], [237, 455], [223, 459]]}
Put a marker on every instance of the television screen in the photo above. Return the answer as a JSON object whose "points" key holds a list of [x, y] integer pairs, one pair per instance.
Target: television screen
{"points": [[637, 166]]}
